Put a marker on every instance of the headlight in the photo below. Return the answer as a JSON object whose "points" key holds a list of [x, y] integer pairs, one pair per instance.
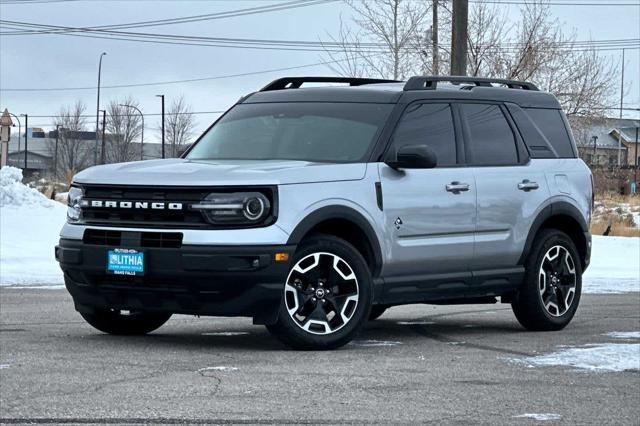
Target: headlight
{"points": [[73, 204], [236, 208]]}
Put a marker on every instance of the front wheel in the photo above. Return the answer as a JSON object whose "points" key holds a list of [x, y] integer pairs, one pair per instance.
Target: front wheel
{"points": [[327, 295], [550, 294], [128, 323]]}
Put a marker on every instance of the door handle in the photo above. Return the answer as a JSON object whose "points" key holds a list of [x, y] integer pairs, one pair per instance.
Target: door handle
{"points": [[527, 186], [457, 187]]}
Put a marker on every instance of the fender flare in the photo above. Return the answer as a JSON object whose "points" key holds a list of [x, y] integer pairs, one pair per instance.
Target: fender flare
{"points": [[345, 213], [554, 209]]}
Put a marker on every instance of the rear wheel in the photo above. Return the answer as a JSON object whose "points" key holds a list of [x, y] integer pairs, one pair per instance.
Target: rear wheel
{"points": [[129, 323], [550, 294], [327, 295]]}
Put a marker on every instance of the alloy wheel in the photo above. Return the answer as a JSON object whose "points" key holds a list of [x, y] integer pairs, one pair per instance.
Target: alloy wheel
{"points": [[557, 280], [321, 293]]}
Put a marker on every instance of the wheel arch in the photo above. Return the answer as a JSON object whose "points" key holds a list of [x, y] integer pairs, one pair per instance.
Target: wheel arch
{"points": [[346, 223], [567, 218]]}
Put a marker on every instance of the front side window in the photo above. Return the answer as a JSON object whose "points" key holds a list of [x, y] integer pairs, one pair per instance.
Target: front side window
{"points": [[491, 139], [428, 124], [307, 131]]}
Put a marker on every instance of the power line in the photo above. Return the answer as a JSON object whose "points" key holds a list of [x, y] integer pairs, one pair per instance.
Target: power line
{"points": [[52, 29], [194, 18], [162, 83], [286, 45], [508, 2], [556, 3], [151, 114]]}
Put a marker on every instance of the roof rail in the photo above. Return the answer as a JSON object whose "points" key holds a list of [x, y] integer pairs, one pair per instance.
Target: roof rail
{"points": [[431, 82], [296, 82]]}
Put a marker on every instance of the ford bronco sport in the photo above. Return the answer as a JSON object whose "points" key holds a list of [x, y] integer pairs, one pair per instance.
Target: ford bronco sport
{"points": [[314, 209]]}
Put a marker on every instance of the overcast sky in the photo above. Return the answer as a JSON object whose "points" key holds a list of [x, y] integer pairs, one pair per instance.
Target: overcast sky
{"points": [[51, 61]]}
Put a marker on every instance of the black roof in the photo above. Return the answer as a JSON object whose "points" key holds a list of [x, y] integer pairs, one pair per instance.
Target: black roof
{"points": [[373, 91]]}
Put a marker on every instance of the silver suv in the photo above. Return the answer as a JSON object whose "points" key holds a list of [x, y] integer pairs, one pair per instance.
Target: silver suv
{"points": [[314, 209]]}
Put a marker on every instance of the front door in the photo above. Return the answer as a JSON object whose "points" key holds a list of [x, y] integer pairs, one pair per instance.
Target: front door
{"points": [[429, 213]]}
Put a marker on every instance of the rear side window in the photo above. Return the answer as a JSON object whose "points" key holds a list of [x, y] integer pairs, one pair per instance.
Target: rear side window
{"points": [[550, 123], [428, 124], [492, 142]]}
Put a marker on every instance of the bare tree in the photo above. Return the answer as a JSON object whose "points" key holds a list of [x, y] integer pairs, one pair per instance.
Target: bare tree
{"points": [[536, 48], [393, 30], [391, 40], [179, 126], [75, 150], [123, 127]]}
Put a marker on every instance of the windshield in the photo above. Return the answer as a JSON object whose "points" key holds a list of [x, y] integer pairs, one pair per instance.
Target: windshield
{"points": [[322, 132]]}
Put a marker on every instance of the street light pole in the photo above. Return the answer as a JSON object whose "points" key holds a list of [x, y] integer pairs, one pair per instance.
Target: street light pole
{"points": [[621, 101], [26, 140], [162, 96], [142, 133], [19, 129], [95, 154], [55, 153], [104, 144]]}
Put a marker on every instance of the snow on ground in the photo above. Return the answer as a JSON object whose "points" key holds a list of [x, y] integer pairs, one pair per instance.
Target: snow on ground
{"points": [[607, 357], [29, 228], [627, 335], [541, 417], [615, 265]]}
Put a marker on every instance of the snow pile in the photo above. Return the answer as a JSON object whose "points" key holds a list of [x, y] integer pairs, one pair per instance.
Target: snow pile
{"points": [[29, 229], [609, 357], [14, 193], [615, 266]]}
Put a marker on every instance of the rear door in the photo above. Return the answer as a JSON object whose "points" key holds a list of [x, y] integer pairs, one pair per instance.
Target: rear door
{"points": [[429, 213], [510, 188]]}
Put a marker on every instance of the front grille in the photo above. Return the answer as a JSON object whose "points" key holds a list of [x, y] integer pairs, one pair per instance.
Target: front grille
{"points": [[167, 218], [150, 217], [132, 239]]}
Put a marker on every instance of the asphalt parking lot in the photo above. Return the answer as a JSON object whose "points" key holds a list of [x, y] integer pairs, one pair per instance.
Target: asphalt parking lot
{"points": [[417, 364]]}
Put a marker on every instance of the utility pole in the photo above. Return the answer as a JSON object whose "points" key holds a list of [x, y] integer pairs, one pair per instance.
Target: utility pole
{"points": [[459, 22], [434, 39], [595, 145], [95, 154], [26, 140], [55, 153], [635, 171], [162, 96], [621, 101], [104, 143]]}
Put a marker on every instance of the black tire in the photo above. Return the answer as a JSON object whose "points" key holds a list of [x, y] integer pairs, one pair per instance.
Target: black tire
{"points": [[135, 323], [528, 306], [289, 330], [377, 311]]}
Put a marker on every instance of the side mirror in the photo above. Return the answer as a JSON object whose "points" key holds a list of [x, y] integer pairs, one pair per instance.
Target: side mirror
{"points": [[414, 157]]}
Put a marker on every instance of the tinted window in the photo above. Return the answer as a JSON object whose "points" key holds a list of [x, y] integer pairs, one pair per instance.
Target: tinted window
{"points": [[323, 132], [428, 124], [550, 123], [492, 141]]}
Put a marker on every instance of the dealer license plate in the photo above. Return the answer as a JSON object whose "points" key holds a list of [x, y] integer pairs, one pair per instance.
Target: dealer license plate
{"points": [[125, 262]]}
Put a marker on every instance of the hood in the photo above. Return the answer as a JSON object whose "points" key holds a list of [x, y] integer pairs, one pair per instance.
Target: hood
{"points": [[181, 172]]}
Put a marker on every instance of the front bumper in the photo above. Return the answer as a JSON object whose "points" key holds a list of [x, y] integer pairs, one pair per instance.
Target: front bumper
{"points": [[192, 279]]}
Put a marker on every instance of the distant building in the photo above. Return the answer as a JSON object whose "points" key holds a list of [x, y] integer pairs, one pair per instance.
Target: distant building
{"points": [[602, 141], [40, 149]]}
